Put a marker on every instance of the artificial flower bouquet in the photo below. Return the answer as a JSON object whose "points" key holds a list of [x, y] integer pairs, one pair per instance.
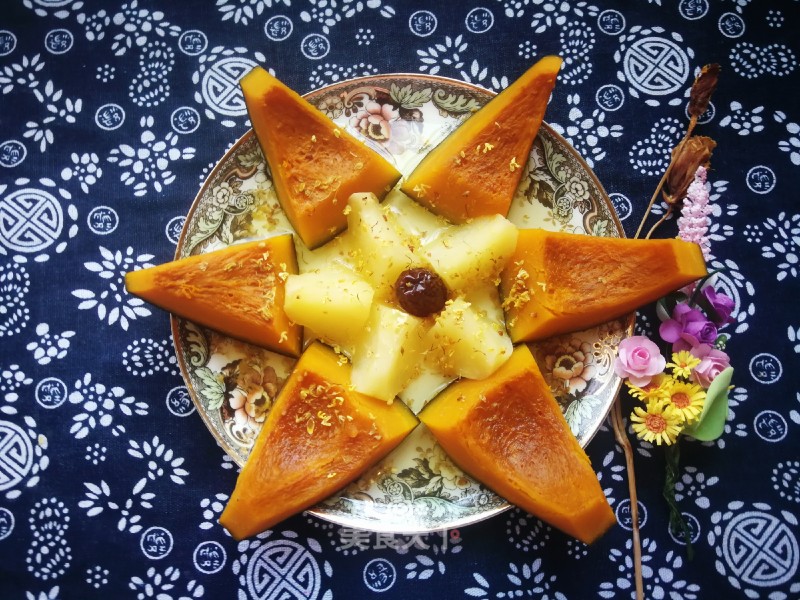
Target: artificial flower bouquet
{"points": [[687, 394], [680, 379], [684, 389]]}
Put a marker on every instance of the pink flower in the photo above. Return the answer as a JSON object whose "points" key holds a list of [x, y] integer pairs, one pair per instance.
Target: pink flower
{"points": [[639, 360], [571, 366], [712, 363], [374, 120], [693, 223], [687, 327]]}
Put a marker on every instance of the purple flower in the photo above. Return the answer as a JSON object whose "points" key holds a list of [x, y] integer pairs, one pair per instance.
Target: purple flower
{"points": [[712, 363], [720, 306], [688, 327], [639, 360]]}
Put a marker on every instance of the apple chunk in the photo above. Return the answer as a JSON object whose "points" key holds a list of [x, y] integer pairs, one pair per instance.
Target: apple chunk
{"points": [[388, 353], [381, 250], [474, 252], [466, 342], [333, 303]]}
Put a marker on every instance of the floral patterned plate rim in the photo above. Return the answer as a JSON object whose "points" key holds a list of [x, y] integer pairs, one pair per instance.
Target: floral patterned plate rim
{"points": [[402, 116]]}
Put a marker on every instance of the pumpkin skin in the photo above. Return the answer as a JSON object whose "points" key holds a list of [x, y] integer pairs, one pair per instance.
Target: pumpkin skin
{"points": [[561, 282], [315, 165], [297, 459], [476, 170], [508, 432], [238, 290]]}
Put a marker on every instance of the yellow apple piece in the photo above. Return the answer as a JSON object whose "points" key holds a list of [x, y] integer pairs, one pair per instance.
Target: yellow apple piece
{"points": [[474, 252], [387, 355], [333, 303], [380, 250], [465, 342]]}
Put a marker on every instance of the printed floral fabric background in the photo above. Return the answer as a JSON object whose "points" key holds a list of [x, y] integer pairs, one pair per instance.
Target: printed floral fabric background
{"points": [[113, 112]]}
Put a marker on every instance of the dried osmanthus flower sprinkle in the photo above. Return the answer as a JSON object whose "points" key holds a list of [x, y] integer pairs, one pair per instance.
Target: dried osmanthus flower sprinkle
{"points": [[702, 90]]}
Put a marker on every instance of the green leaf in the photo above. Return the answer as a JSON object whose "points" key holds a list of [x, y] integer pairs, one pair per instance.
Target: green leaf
{"points": [[555, 161], [213, 390], [207, 227], [711, 423], [450, 103], [407, 98], [601, 228]]}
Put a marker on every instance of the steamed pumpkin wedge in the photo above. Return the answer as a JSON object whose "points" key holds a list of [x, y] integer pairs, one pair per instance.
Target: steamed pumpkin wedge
{"points": [[475, 171], [238, 291], [508, 432], [315, 165], [561, 282], [319, 436]]}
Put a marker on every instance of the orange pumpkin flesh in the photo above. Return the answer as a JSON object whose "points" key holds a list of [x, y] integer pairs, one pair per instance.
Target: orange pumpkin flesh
{"points": [[318, 437], [559, 282], [508, 432], [237, 290], [476, 169], [315, 165]]}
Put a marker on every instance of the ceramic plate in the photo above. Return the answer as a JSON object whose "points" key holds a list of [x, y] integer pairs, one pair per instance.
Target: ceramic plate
{"points": [[417, 488]]}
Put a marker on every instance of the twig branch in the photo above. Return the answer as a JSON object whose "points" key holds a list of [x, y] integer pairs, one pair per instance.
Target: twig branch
{"points": [[662, 181], [663, 218], [622, 440]]}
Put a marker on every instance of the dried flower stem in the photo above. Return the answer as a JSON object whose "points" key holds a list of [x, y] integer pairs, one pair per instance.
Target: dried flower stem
{"points": [[660, 186], [622, 440]]}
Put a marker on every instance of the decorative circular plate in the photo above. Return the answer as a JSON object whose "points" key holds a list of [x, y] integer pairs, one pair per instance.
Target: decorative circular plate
{"points": [[233, 384]]}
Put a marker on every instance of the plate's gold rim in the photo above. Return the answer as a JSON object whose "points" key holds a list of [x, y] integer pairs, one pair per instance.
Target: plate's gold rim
{"points": [[371, 79]]}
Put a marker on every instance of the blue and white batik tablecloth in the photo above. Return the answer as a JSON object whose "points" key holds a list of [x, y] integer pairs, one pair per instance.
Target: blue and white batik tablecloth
{"points": [[112, 112]]}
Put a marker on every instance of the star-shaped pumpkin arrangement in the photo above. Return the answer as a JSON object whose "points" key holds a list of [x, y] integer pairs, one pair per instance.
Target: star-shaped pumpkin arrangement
{"points": [[433, 280]]}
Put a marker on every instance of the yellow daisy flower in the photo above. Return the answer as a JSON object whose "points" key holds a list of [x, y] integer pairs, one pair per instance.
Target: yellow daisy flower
{"points": [[659, 422], [657, 389], [687, 399], [682, 364]]}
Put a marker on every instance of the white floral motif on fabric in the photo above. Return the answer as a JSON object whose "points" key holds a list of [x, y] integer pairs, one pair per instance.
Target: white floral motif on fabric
{"points": [[99, 406], [444, 54], [49, 556], [14, 287], [114, 304], [49, 346], [327, 73], [660, 582], [162, 585], [147, 167], [328, 13], [742, 121], [145, 357], [85, 169], [782, 235], [791, 145], [526, 580], [12, 379], [245, 11], [586, 133]]}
